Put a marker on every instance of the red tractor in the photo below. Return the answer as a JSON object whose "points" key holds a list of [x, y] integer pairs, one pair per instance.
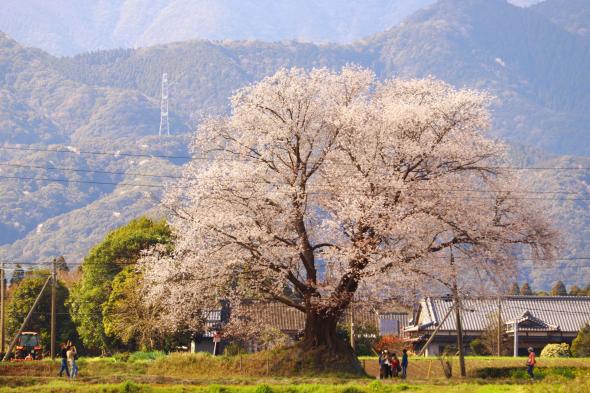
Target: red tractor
{"points": [[28, 347]]}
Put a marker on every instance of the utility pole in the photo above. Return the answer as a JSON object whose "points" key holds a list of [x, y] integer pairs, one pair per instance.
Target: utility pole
{"points": [[499, 346], [352, 326], [515, 338], [19, 331], [458, 317], [436, 330], [53, 301], [2, 323]]}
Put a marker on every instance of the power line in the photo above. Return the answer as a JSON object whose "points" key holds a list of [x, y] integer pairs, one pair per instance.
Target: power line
{"points": [[248, 181], [192, 157], [85, 182], [98, 153], [142, 185], [96, 171]]}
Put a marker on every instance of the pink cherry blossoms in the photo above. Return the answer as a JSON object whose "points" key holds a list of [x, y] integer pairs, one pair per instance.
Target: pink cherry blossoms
{"points": [[320, 186]]}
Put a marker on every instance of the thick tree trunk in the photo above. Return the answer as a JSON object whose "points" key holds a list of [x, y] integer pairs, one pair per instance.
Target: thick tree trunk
{"points": [[322, 348], [320, 332]]}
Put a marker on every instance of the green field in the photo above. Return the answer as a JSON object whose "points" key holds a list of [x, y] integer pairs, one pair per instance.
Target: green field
{"points": [[258, 374]]}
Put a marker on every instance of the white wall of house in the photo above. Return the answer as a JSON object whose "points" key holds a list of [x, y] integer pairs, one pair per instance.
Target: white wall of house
{"points": [[432, 349]]}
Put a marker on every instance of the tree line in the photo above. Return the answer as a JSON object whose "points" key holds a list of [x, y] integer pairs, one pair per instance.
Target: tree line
{"points": [[558, 289], [99, 304]]}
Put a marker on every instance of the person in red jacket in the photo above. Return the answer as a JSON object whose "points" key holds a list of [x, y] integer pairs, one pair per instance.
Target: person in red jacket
{"points": [[530, 363], [395, 365]]}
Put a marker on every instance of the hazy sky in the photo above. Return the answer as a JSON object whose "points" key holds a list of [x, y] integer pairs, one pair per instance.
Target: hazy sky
{"points": [[67, 27]]}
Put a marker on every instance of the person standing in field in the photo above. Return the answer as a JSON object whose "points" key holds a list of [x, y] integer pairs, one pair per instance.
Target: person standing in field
{"points": [[531, 364], [64, 360], [395, 367], [382, 357], [385, 365], [72, 355], [404, 363]]}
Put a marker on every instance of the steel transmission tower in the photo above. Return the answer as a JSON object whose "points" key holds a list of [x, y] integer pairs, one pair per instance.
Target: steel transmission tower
{"points": [[164, 124]]}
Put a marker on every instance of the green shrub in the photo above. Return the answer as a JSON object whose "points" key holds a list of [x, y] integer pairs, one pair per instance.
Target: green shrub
{"points": [[556, 351], [477, 347], [375, 386], [234, 349], [130, 387], [263, 389], [145, 356], [217, 389], [121, 356], [581, 344], [351, 389]]}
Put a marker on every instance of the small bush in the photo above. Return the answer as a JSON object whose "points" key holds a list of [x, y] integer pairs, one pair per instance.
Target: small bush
{"points": [[391, 343], [556, 351], [234, 349], [145, 356], [130, 387], [263, 389], [581, 344], [375, 386], [351, 389], [217, 389], [477, 347], [121, 357]]}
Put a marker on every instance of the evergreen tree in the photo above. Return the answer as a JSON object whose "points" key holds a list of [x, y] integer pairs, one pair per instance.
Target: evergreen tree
{"points": [[119, 249], [581, 344], [559, 289], [22, 300], [515, 290], [526, 290], [17, 275], [576, 291], [62, 266]]}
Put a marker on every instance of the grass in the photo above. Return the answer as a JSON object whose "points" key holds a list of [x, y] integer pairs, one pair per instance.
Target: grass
{"points": [[373, 387], [258, 373]]}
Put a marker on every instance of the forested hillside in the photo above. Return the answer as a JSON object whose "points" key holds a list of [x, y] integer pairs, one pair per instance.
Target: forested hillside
{"points": [[537, 71], [108, 101], [572, 15]]}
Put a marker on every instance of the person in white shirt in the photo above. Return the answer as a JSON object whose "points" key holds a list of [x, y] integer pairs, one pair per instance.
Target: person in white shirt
{"points": [[72, 355]]}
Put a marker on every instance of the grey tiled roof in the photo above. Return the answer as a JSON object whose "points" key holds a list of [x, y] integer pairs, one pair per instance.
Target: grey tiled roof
{"points": [[563, 313], [289, 319], [277, 315]]}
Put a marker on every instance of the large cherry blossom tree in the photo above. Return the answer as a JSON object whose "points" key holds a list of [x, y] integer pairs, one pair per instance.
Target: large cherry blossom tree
{"points": [[320, 185]]}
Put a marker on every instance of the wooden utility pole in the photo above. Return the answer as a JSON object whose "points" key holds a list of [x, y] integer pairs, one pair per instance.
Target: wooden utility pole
{"points": [[457, 303], [352, 343], [2, 323], [19, 331], [53, 301], [499, 344], [515, 338], [459, 331]]}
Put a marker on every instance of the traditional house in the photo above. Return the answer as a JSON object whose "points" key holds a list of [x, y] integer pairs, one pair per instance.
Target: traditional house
{"points": [[210, 340], [537, 320], [291, 322]]}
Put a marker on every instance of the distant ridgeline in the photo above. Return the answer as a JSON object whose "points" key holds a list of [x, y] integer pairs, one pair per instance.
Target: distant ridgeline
{"points": [[108, 101]]}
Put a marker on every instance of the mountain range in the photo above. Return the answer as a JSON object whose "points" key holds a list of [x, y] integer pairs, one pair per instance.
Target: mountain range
{"points": [[67, 27], [534, 60]]}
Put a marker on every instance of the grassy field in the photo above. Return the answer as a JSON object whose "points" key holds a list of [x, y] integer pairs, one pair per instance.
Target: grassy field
{"points": [[259, 374], [131, 387]]}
